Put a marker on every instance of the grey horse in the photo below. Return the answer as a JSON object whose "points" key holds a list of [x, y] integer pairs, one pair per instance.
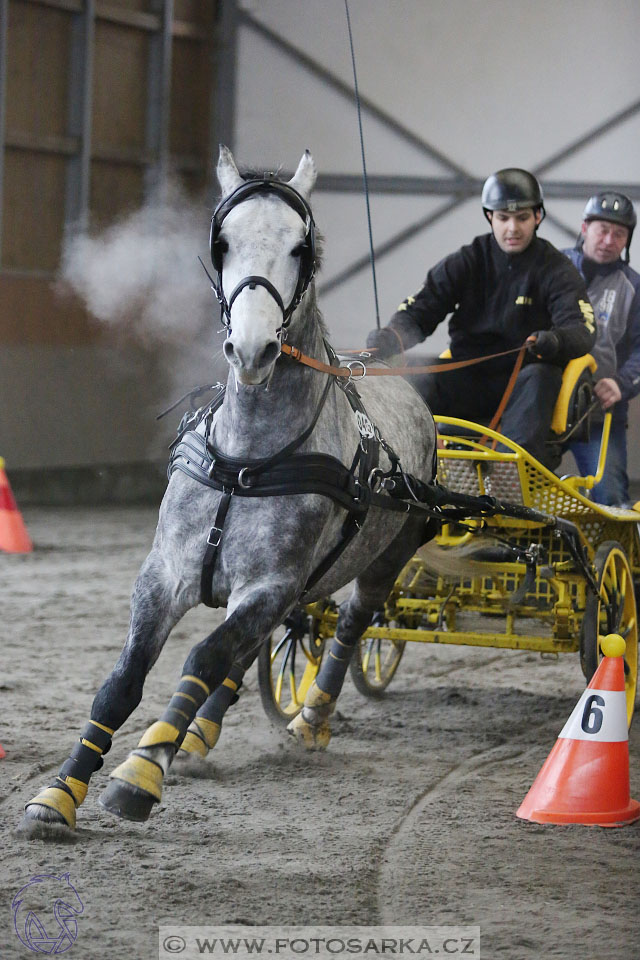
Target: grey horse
{"points": [[268, 547]]}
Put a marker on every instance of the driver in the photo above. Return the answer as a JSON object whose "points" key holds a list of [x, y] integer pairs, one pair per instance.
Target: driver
{"points": [[505, 287]]}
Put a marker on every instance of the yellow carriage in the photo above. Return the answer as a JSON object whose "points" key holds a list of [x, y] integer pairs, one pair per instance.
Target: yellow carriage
{"points": [[554, 578]]}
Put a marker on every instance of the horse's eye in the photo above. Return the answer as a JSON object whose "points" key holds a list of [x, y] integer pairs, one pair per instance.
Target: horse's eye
{"points": [[221, 246], [297, 251]]}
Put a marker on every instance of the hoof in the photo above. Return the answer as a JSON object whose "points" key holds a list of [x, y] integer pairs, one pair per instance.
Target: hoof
{"points": [[53, 806], [312, 736], [127, 802]]}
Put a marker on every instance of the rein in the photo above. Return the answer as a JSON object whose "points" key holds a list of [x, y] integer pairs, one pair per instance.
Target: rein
{"points": [[348, 372]]}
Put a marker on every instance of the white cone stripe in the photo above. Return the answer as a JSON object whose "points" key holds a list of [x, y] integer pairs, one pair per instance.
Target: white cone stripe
{"points": [[598, 715]]}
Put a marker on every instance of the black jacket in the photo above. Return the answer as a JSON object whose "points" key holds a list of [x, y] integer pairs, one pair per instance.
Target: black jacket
{"points": [[498, 299]]}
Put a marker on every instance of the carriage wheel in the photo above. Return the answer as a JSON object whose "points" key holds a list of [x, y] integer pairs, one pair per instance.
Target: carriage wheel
{"points": [[287, 665], [613, 611], [374, 664]]}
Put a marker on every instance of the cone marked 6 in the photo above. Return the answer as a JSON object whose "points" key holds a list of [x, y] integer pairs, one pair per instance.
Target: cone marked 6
{"points": [[585, 778]]}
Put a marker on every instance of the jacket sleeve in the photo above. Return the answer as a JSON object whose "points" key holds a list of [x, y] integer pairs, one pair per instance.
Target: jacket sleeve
{"points": [[418, 316], [570, 309], [628, 376]]}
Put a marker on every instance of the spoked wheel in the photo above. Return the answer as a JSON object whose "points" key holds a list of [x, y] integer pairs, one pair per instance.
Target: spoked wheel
{"points": [[613, 611], [287, 665], [374, 664]]}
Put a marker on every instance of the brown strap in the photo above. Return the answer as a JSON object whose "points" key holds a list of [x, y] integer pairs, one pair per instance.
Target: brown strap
{"points": [[508, 390], [360, 369]]}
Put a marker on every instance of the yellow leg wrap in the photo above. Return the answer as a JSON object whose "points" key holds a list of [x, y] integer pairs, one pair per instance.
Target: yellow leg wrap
{"points": [[58, 800], [158, 733], [78, 789], [316, 697], [142, 773], [207, 730], [192, 744]]}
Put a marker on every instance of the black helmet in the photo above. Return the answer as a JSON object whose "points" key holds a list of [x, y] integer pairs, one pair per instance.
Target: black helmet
{"points": [[511, 189], [613, 207]]}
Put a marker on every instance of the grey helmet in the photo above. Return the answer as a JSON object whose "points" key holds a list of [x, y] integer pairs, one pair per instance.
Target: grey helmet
{"points": [[613, 207], [511, 189]]}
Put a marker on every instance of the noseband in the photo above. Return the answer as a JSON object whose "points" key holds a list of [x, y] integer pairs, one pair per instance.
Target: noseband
{"points": [[265, 186]]}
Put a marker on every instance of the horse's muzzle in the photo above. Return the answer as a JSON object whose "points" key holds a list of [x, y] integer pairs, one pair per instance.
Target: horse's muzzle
{"points": [[251, 369]]}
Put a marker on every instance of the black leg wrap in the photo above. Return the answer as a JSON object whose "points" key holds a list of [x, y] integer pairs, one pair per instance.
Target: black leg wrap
{"points": [[334, 667], [184, 705], [86, 756], [223, 696], [69, 788]]}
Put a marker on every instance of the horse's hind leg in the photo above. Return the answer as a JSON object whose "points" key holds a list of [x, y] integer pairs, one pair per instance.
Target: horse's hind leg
{"points": [[204, 731], [311, 726], [154, 611]]}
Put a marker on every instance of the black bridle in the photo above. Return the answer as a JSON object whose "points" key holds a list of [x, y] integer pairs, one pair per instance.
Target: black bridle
{"points": [[264, 186]]}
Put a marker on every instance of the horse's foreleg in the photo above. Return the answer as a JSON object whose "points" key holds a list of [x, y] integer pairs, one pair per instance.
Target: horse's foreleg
{"points": [[311, 727], [153, 613], [218, 661], [204, 731]]}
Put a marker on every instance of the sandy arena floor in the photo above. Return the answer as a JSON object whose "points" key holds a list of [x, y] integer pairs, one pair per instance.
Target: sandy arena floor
{"points": [[407, 819]]}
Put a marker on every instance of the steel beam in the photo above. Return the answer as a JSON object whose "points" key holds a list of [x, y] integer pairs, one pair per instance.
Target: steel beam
{"points": [[159, 98], [589, 137], [79, 117], [315, 68], [222, 120], [388, 246], [4, 26], [462, 188]]}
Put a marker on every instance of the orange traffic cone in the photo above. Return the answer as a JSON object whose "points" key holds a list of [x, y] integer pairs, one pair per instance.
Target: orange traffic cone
{"points": [[2, 753], [13, 533], [585, 778]]}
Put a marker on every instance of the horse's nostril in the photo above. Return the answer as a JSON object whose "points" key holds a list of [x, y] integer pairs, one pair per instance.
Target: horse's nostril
{"points": [[270, 354], [228, 350]]}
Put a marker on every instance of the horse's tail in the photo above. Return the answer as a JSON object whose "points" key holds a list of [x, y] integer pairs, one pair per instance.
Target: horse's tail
{"points": [[459, 563]]}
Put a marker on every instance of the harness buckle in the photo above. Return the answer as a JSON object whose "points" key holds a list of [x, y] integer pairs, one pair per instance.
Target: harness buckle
{"points": [[215, 536], [243, 481]]}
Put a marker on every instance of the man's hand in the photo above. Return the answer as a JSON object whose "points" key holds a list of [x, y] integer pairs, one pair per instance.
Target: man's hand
{"points": [[608, 392], [543, 344], [385, 343]]}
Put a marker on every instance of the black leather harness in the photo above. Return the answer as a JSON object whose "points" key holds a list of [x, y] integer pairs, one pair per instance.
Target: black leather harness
{"points": [[287, 472]]}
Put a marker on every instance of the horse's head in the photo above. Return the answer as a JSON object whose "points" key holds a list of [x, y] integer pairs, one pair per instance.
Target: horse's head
{"points": [[263, 249]]}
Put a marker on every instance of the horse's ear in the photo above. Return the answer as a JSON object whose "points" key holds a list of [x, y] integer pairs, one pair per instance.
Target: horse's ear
{"points": [[304, 178], [228, 176]]}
